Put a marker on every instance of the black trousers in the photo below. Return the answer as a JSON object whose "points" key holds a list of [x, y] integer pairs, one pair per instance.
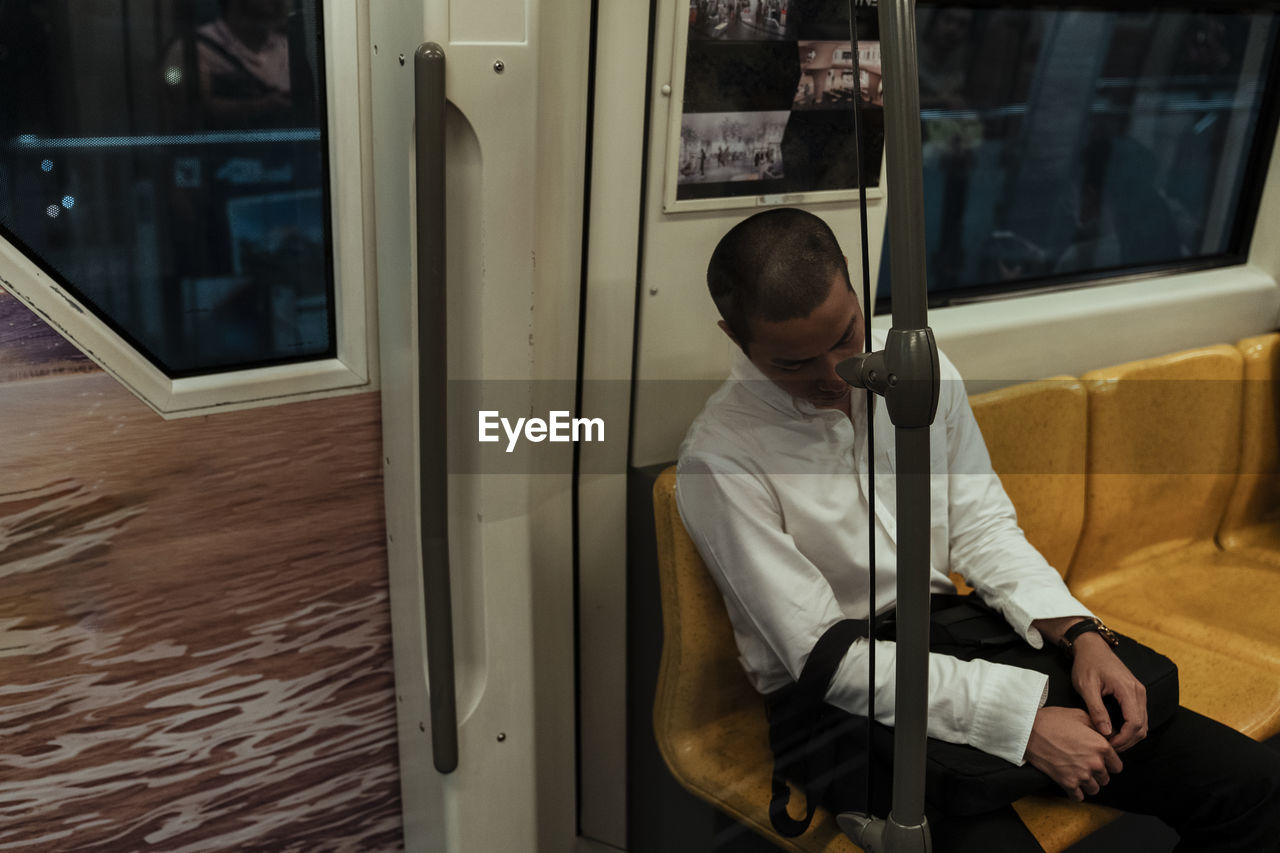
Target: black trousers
{"points": [[1219, 790]]}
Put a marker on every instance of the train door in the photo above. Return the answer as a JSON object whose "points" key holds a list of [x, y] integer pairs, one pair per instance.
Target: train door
{"points": [[213, 631]]}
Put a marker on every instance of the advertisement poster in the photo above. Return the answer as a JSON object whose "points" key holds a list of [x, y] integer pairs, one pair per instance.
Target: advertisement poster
{"points": [[768, 97]]}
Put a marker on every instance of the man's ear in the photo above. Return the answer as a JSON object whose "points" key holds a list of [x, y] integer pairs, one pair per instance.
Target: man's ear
{"points": [[724, 327]]}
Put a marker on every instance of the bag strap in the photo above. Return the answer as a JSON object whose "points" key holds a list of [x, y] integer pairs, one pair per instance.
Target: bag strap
{"points": [[811, 690]]}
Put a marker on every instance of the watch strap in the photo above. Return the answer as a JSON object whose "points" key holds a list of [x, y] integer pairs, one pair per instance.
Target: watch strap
{"points": [[1086, 626]]}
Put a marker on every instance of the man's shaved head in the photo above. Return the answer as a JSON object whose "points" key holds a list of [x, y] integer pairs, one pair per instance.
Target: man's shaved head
{"points": [[776, 265]]}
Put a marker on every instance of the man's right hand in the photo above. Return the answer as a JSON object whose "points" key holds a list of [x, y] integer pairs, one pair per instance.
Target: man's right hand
{"points": [[1065, 746]]}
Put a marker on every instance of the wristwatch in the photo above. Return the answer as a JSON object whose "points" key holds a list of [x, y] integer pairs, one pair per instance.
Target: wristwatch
{"points": [[1085, 626]]}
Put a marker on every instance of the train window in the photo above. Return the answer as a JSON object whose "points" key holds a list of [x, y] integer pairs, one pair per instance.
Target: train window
{"points": [[1069, 143], [166, 165]]}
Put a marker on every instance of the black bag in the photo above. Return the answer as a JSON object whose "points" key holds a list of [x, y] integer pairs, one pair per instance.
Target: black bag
{"points": [[823, 749], [814, 744]]}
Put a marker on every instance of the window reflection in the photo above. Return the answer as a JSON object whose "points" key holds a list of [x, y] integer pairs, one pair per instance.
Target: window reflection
{"points": [[166, 161], [1066, 143], [236, 71]]}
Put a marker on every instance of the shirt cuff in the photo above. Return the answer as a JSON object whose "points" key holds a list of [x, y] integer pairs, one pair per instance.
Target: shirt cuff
{"points": [[1008, 698], [1049, 604]]}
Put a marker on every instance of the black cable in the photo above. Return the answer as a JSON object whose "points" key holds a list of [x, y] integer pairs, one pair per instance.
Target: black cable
{"points": [[871, 398]]}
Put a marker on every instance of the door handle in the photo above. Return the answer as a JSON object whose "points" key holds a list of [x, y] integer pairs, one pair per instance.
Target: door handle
{"points": [[433, 474]]}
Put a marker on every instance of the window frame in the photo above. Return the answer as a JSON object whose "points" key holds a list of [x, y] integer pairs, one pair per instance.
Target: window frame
{"points": [[353, 366], [1248, 204]]}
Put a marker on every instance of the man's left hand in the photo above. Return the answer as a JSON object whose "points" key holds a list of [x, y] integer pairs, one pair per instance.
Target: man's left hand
{"points": [[1097, 672]]}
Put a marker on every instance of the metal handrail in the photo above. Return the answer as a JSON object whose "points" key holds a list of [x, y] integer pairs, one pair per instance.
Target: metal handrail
{"points": [[433, 483]]}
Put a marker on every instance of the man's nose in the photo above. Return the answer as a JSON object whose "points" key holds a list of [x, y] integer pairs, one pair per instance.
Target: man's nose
{"points": [[830, 380]]}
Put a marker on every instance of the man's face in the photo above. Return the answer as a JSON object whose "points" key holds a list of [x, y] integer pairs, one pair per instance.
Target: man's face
{"points": [[801, 355]]}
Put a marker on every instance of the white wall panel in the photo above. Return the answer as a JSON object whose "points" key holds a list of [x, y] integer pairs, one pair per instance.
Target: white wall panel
{"points": [[488, 22]]}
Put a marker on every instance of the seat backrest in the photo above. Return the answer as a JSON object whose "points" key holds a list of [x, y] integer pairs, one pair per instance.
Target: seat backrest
{"points": [[1256, 497], [1036, 435], [708, 720], [1164, 449], [698, 644]]}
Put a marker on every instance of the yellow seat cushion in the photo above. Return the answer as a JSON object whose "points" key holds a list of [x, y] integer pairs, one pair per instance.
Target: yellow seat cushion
{"points": [[1057, 822], [1198, 593]]}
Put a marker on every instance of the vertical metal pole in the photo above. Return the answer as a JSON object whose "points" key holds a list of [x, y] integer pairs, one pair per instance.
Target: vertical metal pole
{"points": [[907, 259], [904, 167], [906, 373], [912, 666], [433, 474]]}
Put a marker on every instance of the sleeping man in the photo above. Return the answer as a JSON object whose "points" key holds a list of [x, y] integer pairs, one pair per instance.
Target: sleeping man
{"points": [[772, 485]]}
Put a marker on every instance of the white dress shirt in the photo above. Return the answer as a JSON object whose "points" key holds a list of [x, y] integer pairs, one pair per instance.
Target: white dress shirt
{"points": [[774, 493]]}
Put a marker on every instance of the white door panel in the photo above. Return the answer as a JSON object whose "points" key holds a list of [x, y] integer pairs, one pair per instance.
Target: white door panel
{"points": [[515, 141]]}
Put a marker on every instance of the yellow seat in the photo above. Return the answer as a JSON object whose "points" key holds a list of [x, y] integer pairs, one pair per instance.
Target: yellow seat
{"points": [[708, 720], [1164, 440], [1037, 437], [1251, 527], [710, 723]]}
